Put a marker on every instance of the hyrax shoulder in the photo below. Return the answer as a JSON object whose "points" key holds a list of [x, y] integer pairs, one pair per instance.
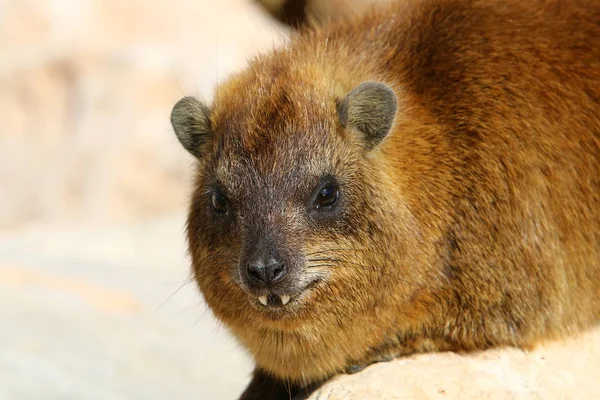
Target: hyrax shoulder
{"points": [[425, 177]]}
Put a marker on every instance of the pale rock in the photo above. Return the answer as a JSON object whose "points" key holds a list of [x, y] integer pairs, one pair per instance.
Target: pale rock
{"points": [[568, 370]]}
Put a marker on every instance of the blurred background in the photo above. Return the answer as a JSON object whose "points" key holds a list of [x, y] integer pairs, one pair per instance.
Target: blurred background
{"points": [[95, 296]]}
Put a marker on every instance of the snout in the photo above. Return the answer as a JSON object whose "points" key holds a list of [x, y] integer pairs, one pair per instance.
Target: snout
{"points": [[266, 274], [271, 272], [265, 278]]}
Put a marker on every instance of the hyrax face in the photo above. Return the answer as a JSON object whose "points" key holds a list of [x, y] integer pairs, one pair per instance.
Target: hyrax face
{"points": [[282, 218]]}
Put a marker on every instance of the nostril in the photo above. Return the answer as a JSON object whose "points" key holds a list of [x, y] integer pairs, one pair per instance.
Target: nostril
{"points": [[257, 273], [276, 272], [269, 274]]}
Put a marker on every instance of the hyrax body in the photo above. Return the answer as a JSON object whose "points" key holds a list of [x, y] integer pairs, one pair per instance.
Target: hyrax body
{"points": [[422, 178]]}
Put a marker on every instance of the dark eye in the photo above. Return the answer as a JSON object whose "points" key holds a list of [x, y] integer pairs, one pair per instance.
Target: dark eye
{"points": [[219, 203], [327, 196]]}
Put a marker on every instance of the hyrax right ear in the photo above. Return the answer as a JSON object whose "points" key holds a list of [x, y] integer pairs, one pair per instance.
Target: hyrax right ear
{"points": [[370, 108], [191, 122]]}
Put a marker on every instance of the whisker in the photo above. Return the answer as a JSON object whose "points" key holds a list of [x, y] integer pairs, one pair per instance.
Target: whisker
{"points": [[337, 263], [188, 280], [319, 266], [206, 309], [187, 309], [175, 76], [332, 250]]}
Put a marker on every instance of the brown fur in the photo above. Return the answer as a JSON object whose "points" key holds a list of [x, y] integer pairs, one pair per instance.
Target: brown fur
{"points": [[475, 223]]}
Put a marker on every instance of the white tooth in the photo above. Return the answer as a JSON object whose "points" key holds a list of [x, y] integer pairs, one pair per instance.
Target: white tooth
{"points": [[284, 299], [263, 300]]}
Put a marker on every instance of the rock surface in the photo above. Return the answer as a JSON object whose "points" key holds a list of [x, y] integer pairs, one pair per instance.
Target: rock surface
{"points": [[566, 370]]}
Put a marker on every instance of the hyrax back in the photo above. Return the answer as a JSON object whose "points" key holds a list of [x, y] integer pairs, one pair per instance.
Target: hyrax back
{"points": [[426, 177]]}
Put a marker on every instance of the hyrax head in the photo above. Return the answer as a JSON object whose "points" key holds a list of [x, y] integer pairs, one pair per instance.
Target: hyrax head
{"points": [[286, 201]]}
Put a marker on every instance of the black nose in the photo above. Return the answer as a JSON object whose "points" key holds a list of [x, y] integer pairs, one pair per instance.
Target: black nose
{"points": [[268, 273]]}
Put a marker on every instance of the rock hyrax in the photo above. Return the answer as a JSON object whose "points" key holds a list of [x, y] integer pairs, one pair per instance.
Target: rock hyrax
{"points": [[425, 177]]}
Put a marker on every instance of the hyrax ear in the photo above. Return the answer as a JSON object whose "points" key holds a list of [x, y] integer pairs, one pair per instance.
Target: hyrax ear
{"points": [[369, 108], [191, 122]]}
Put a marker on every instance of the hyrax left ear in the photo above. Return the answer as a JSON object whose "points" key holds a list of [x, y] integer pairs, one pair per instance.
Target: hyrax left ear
{"points": [[191, 121], [370, 108]]}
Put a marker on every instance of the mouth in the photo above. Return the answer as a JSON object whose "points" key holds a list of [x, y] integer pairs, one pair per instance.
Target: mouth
{"points": [[272, 300]]}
